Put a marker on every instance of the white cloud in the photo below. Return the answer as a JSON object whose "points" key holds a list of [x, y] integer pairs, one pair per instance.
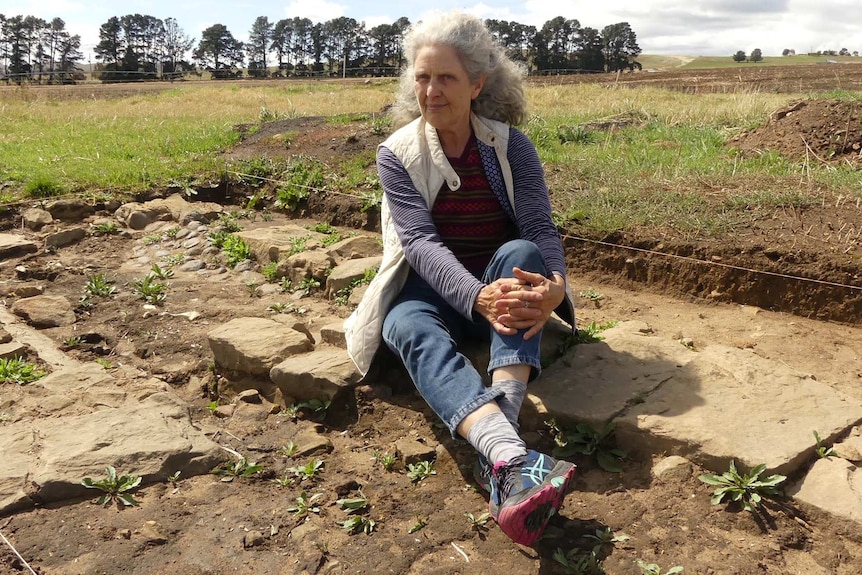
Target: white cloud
{"points": [[318, 11]]}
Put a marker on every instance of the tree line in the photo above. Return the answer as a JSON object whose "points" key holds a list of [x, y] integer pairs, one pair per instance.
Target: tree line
{"points": [[34, 48], [137, 47]]}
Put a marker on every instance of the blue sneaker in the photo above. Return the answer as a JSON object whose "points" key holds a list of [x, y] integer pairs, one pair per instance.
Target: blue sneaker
{"points": [[482, 473], [526, 492]]}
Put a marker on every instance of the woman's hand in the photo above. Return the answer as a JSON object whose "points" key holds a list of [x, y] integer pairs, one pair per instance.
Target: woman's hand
{"points": [[487, 305], [529, 302]]}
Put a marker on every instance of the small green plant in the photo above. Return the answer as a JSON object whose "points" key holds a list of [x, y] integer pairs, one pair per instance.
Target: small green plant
{"points": [[251, 288], [161, 273], [299, 180], [239, 468], [323, 228], [174, 478], [16, 370], [305, 505], [358, 524], [590, 332], [317, 407], [309, 285], [151, 239], [604, 537], [370, 199], [73, 341], [297, 245], [279, 307], [343, 295], [217, 238], [385, 459], [42, 186], [585, 440], [331, 239], [148, 289], [284, 481], [420, 524], [821, 450], [419, 471], [99, 286], [353, 505], [212, 406], [228, 222], [270, 272], [285, 285], [478, 522], [308, 471], [171, 233], [172, 260], [105, 229], [575, 135], [745, 488], [380, 124], [288, 450], [235, 250], [576, 562], [104, 363], [115, 488], [592, 295], [655, 568]]}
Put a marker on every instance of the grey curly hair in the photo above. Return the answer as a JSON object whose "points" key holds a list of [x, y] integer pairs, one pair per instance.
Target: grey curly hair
{"points": [[502, 97]]}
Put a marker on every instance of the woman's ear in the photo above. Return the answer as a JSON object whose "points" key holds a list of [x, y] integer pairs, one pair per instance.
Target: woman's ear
{"points": [[477, 87]]}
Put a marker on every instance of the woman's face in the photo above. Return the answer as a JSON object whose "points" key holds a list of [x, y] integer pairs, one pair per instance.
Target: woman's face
{"points": [[443, 89]]}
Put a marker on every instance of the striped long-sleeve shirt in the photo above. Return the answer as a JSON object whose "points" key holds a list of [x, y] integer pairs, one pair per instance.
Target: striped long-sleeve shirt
{"points": [[427, 254]]}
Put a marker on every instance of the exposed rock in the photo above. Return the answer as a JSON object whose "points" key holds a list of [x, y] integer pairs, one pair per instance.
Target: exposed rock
{"points": [[348, 271], [12, 349], [306, 265], [45, 311], [315, 375], [65, 237], [254, 345], [5, 336], [356, 247], [224, 411], [43, 462], [673, 468], [140, 215], [851, 448], [270, 244], [37, 218], [153, 534], [311, 441], [333, 334], [28, 291], [70, 210], [12, 245], [834, 485], [413, 451], [249, 396], [253, 539]]}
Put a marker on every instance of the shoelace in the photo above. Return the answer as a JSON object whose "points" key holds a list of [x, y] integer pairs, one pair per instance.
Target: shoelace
{"points": [[507, 475]]}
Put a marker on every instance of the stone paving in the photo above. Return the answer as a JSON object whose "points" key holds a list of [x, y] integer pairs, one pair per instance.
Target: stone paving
{"points": [[709, 406]]}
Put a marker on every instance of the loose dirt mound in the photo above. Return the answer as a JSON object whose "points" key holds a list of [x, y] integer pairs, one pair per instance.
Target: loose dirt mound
{"points": [[811, 130]]}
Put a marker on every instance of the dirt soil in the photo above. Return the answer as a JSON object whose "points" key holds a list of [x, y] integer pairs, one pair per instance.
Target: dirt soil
{"points": [[203, 525]]}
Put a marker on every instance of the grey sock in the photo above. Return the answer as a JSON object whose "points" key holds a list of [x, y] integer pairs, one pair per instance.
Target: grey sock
{"points": [[494, 437], [510, 404]]}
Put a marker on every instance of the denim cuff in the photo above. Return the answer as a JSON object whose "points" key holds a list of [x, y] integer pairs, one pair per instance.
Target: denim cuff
{"points": [[487, 397]]}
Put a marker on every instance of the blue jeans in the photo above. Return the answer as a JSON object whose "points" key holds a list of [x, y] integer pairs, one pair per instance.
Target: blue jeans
{"points": [[425, 331]]}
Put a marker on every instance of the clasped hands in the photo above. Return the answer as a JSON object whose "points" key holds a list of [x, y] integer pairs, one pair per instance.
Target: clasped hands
{"points": [[524, 301]]}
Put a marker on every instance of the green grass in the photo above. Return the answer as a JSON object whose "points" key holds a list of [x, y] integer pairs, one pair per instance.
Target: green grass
{"points": [[705, 62], [137, 142]]}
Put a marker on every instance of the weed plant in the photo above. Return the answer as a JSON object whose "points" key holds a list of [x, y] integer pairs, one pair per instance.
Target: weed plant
{"points": [[235, 250], [99, 286], [17, 370], [116, 488], [744, 488], [148, 289], [417, 472], [583, 439]]}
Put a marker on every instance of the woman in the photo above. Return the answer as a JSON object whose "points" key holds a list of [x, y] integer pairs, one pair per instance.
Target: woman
{"points": [[470, 251]]}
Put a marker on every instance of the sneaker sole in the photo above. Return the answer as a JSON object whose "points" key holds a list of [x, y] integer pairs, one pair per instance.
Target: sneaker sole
{"points": [[525, 522]]}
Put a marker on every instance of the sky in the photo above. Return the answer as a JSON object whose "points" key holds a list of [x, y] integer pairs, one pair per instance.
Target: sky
{"points": [[673, 27]]}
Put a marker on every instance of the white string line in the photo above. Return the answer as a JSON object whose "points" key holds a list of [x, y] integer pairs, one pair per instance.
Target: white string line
{"points": [[18, 555], [717, 264]]}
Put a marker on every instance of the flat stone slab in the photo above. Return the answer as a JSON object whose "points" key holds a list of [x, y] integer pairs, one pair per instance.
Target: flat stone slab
{"points": [[272, 243], [12, 245], [315, 375], [45, 460], [833, 485], [254, 345], [711, 406]]}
